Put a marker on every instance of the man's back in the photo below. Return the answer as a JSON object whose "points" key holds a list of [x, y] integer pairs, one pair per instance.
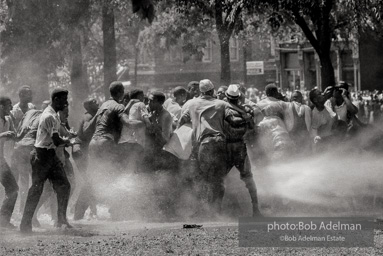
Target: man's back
{"points": [[86, 128], [207, 115], [18, 113], [28, 126], [108, 120]]}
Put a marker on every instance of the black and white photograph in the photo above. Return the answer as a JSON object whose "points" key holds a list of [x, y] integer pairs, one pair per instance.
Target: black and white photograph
{"points": [[191, 127]]}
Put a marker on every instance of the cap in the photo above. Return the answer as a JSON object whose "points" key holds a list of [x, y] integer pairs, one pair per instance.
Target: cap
{"points": [[206, 85], [57, 92], [232, 92]]}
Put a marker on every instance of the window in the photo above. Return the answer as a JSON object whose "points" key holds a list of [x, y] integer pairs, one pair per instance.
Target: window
{"points": [[234, 49], [174, 54], [208, 52]]}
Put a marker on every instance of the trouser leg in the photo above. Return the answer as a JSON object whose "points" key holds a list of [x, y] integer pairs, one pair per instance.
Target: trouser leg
{"points": [[62, 188], [40, 171], [247, 178], [84, 200], [212, 161], [24, 185], [11, 190]]}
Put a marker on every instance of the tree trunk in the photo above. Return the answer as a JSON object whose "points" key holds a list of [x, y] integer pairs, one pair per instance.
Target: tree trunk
{"points": [[327, 70], [244, 48], [224, 40], [110, 56], [79, 83], [135, 66]]}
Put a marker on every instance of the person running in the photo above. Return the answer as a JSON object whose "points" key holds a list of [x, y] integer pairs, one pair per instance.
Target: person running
{"points": [[46, 164]]}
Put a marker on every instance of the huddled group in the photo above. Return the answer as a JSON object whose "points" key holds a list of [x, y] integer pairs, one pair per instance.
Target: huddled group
{"points": [[202, 130]]}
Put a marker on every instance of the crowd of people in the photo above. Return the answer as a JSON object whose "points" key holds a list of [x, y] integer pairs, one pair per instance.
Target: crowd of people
{"points": [[202, 130]]}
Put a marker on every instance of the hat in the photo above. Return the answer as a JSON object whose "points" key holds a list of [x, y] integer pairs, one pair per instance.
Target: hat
{"points": [[206, 85], [232, 92], [58, 92]]}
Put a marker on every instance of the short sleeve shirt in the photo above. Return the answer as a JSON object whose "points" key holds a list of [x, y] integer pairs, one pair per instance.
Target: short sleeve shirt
{"points": [[322, 121], [18, 114], [49, 124], [108, 120], [138, 111]]}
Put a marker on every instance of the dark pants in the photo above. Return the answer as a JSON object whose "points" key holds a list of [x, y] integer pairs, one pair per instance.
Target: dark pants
{"points": [[11, 190], [237, 157], [46, 165], [47, 196], [212, 165]]}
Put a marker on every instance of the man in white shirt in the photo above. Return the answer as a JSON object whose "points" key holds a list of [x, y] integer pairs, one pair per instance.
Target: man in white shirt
{"points": [[17, 113], [46, 164], [25, 104], [6, 177]]}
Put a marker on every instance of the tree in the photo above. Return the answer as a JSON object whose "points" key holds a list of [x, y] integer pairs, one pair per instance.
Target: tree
{"points": [[144, 8], [31, 47], [322, 22], [226, 15], [171, 29], [109, 39]]}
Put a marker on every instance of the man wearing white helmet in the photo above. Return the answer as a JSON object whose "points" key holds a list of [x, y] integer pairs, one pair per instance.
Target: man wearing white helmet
{"points": [[236, 146], [207, 115]]}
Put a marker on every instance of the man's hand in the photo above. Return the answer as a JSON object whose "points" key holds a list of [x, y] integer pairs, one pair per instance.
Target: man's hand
{"points": [[328, 91], [8, 135]]}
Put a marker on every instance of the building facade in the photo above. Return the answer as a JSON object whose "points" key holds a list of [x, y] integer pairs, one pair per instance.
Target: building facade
{"points": [[291, 64]]}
